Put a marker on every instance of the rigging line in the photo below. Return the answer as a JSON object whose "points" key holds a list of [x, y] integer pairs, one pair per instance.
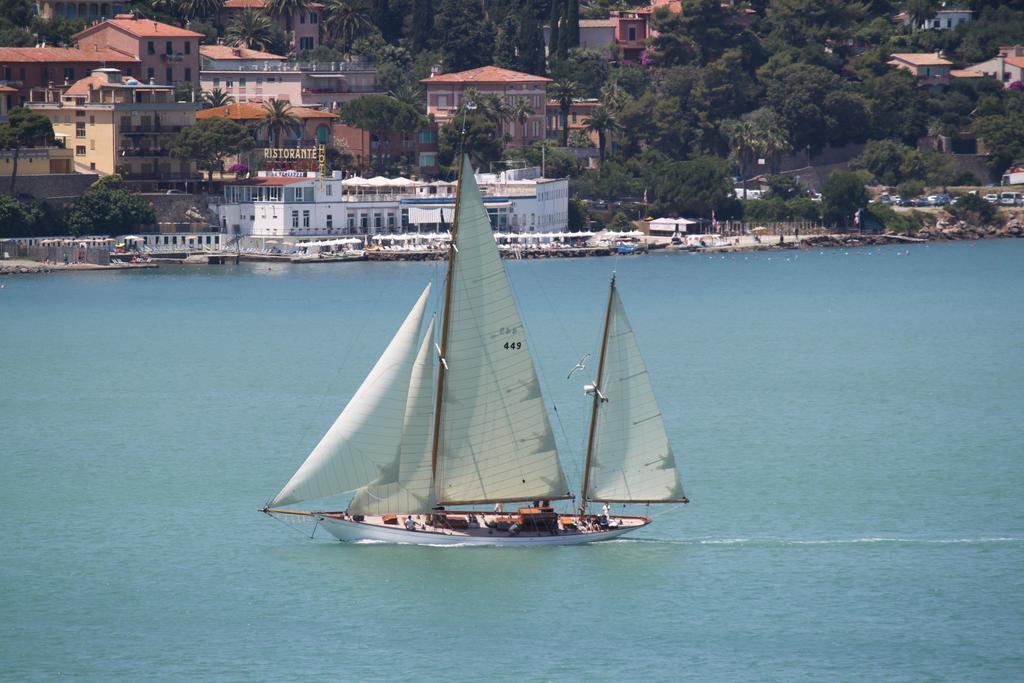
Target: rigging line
{"points": [[289, 526]]}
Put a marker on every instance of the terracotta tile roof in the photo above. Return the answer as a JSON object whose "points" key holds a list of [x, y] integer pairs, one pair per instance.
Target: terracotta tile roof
{"points": [[486, 74], [965, 73], [62, 54], [921, 59], [81, 86], [246, 111], [1016, 61], [227, 52], [142, 28]]}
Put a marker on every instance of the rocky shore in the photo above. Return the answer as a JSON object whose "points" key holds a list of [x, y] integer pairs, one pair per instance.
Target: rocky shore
{"points": [[25, 267], [943, 231]]}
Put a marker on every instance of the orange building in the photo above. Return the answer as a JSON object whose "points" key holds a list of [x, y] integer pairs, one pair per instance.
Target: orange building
{"points": [[169, 55], [447, 92]]}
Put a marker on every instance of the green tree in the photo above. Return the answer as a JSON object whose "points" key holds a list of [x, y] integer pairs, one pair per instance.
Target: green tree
{"points": [[209, 141], [110, 212], [974, 210], [757, 135], [884, 159], [216, 98], [799, 94], [289, 9], [554, 22], [505, 43], [278, 119], [347, 21], [695, 188], [24, 128], [842, 195], [479, 141], [250, 28], [381, 114], [15, 218], [520, 112], [530, 41], [193, 9], [1003, 138], [466, 31], [422, 26], [564, 91], [572, 24], [603, 122], [578, 214]]}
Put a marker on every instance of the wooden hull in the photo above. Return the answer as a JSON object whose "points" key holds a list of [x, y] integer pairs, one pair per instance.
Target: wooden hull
{"points": [[354, 532]]}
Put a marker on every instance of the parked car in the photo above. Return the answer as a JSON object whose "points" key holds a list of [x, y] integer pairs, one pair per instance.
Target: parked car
{"points": [[750, 194], [938, 199], [1009, 198], [907, 201], [991, 198]]}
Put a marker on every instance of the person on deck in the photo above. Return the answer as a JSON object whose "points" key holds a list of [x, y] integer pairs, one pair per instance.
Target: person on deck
{"points": [[410, 524]]}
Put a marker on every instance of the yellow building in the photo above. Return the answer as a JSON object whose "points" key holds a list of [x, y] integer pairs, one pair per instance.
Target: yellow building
{"points": [[119, 125], [36, 161]]}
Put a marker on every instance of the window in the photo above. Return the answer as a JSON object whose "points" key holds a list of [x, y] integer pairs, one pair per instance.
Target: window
{"points": [[305, 219], [241, 82], [69, 73], [170, 75], [302, 17], [314, 18], [151, 48], [188, 74], [428, 159], [330, 218], [295, 219], [300, 194], [92, 145], [169, 49], [442, 101], [80, 129], [188, 47], [632, 33], [229, 84], [92, 120], [306, 43], [329, 189], [80, 150], [216, 83]]}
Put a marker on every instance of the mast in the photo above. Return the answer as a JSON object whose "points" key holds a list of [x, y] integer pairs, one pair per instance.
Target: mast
{"points": [[598, 399], [442, 366]]}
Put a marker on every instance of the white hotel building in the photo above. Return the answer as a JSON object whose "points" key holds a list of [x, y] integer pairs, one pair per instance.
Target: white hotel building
{"points": [[299, 204]]}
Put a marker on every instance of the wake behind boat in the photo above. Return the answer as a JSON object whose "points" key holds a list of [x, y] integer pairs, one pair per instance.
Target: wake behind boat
{"points": [[462, 422]]}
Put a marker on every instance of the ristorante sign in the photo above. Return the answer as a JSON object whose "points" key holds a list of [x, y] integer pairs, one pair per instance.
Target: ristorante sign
{"points": [[285, 154]]}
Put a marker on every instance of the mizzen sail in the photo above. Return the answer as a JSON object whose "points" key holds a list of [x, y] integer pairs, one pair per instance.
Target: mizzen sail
{"points": [[367, 435], [631, 459], [495, 442]]}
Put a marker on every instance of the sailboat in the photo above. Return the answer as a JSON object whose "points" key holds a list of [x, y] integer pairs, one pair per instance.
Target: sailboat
{"points": [[442, 435]]}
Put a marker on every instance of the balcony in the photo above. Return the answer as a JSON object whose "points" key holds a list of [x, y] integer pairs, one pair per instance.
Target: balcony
{"points": [[144, 152], [150, 128]]}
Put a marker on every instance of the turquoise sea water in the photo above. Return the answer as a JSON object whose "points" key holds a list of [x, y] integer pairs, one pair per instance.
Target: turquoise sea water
{"points": [[848, 425]]}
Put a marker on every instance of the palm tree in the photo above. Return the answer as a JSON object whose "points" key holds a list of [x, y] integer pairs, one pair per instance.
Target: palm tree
{"points": [[612, 95], [603, 122], [278, 119], [564, 92], [408, 92], [252, 29], [520, 112], [347, 20], [216, 98], [287, 9], [191, 9], [758, 135]]}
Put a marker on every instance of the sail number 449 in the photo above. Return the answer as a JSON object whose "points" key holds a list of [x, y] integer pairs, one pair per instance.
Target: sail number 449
{"points": [[513, 346]]}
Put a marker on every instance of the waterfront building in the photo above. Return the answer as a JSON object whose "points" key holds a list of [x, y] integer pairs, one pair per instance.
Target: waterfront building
{"points": [[119, 125], [302, 27], [24, 68], [295, 204], [168, 55], [252, 76], [315, 127], [447, 92]]}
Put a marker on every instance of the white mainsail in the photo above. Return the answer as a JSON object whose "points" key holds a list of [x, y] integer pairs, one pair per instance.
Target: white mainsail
{"points": [[405, 484], [631, 459], [368, 433], [495, 441]]}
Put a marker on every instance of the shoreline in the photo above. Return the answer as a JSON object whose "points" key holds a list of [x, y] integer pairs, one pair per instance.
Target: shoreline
{"points": [[939, 233]]}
